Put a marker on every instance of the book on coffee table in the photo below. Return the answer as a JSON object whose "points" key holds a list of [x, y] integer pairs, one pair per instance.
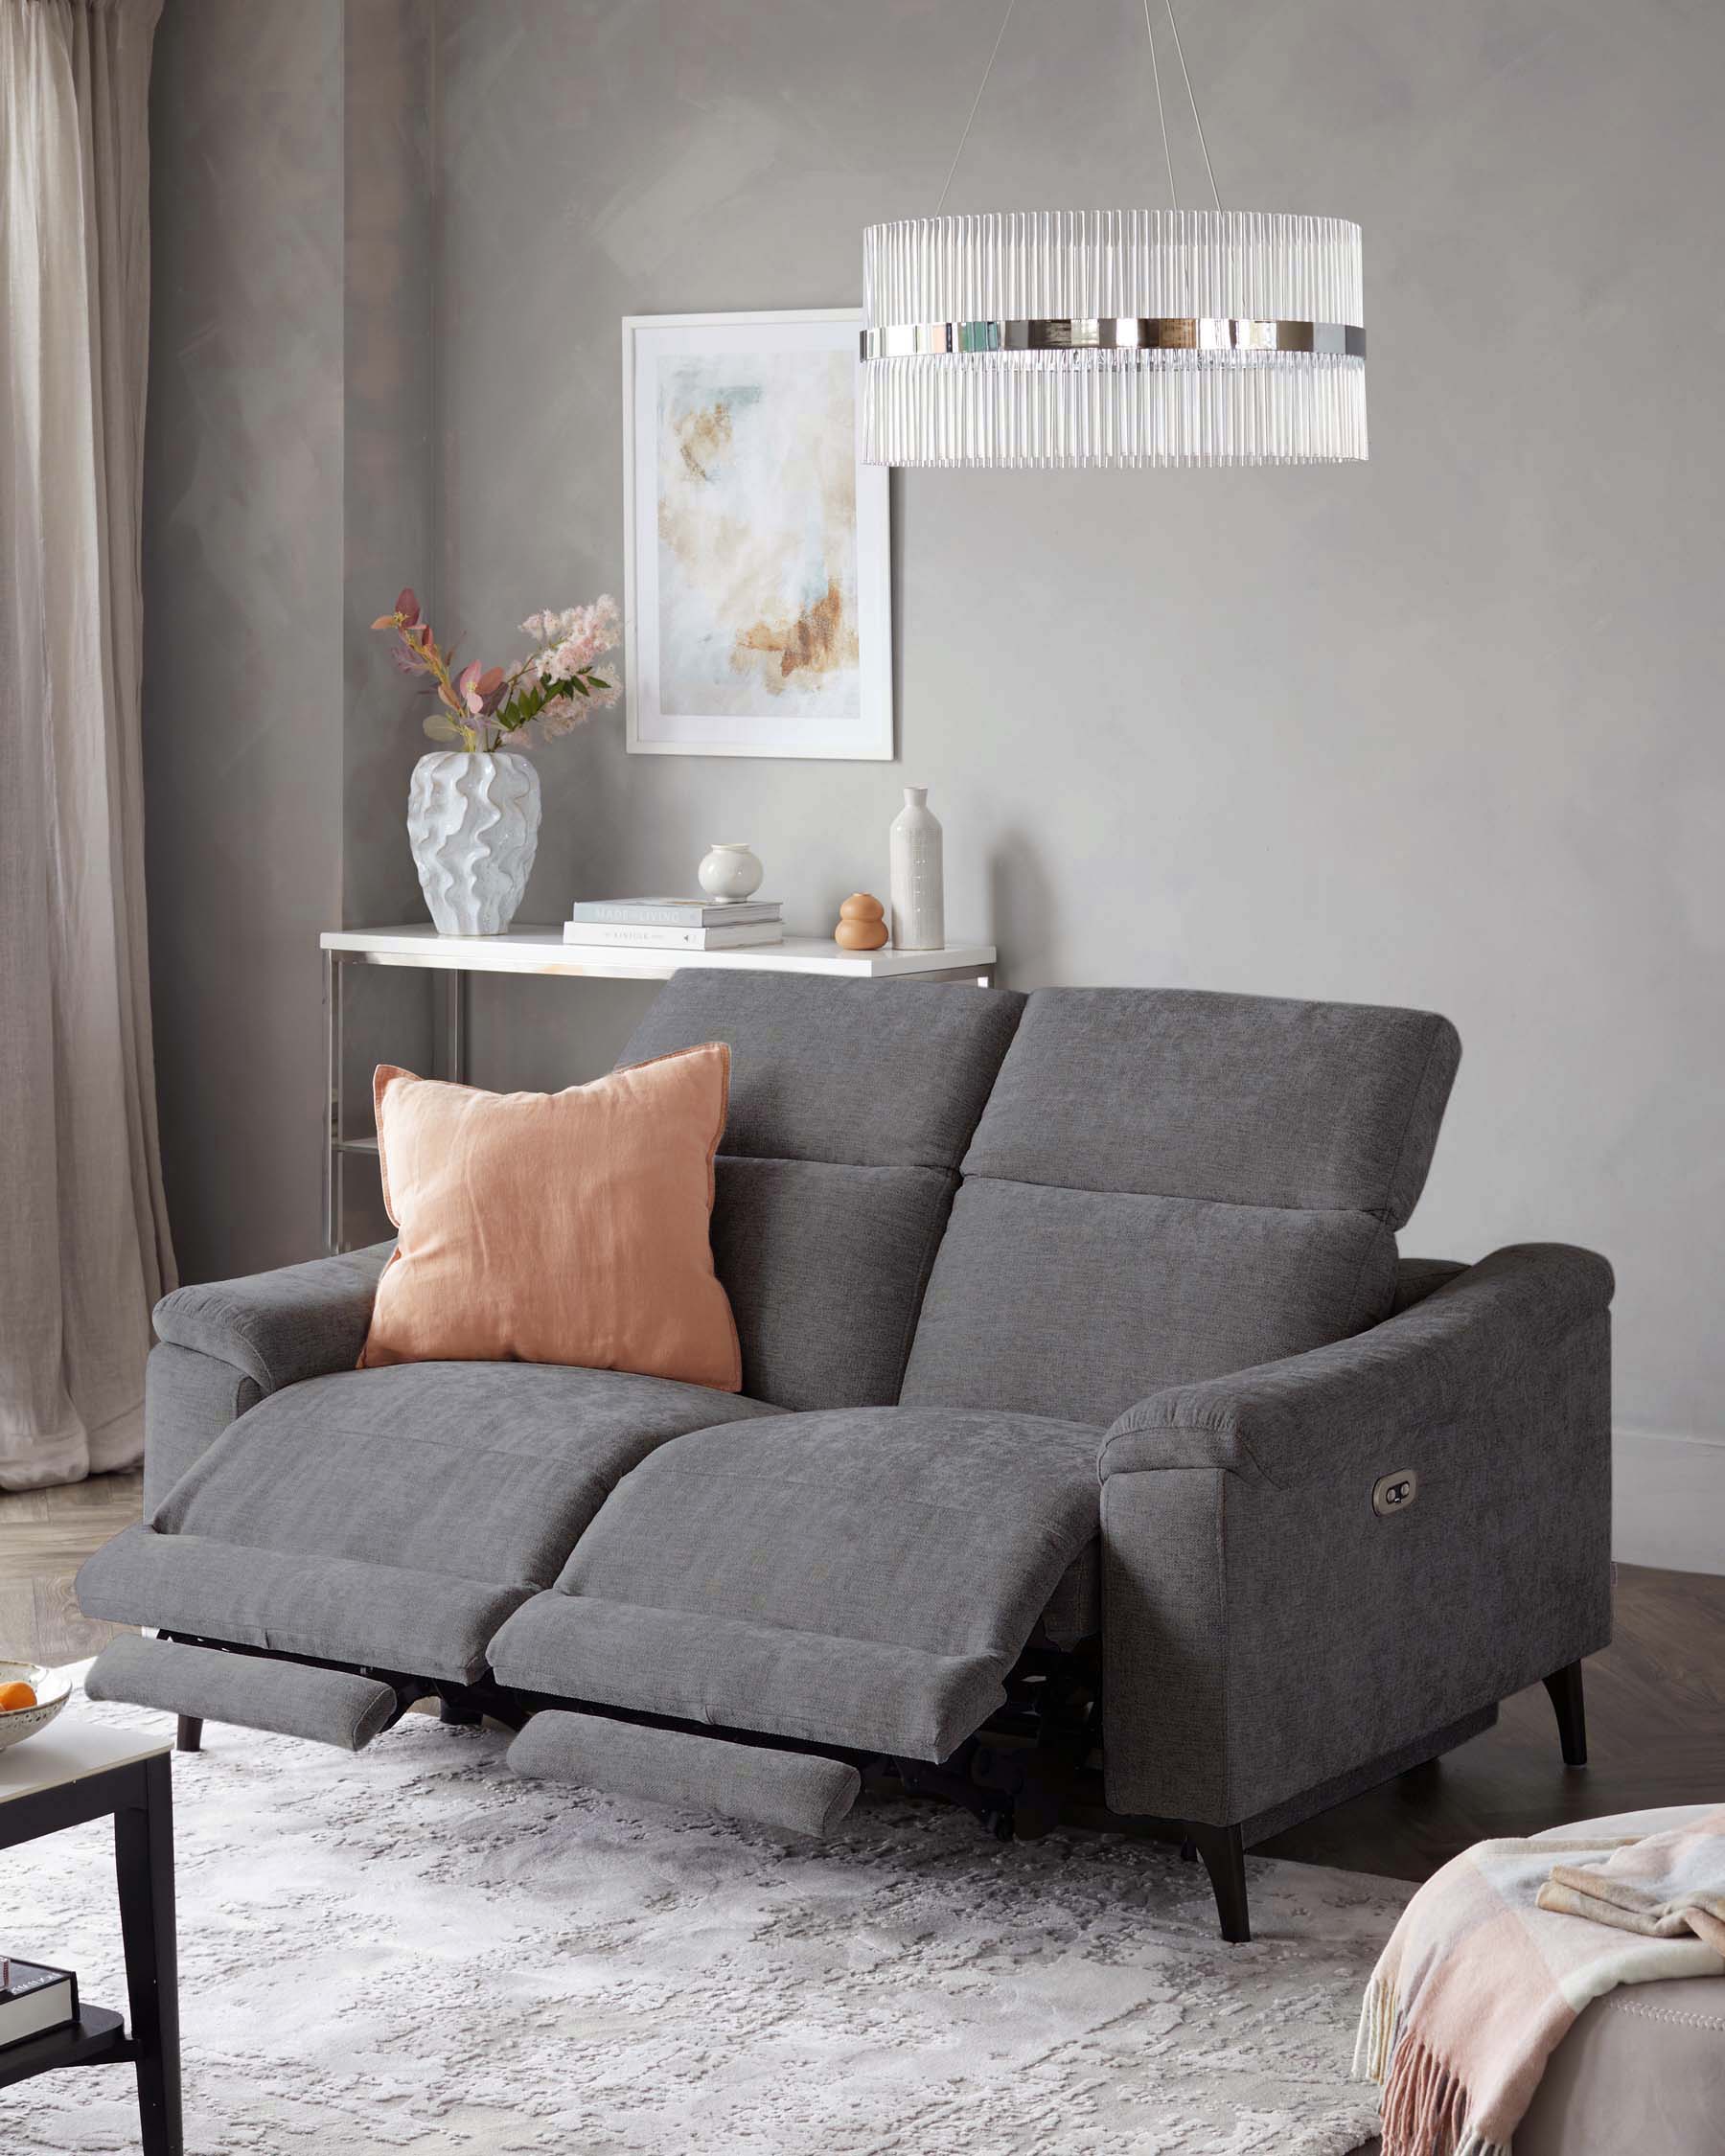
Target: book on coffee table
{"points": [[34, 2000]]}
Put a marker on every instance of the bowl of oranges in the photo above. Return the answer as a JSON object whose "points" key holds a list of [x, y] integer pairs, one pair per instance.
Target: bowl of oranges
{"points": [[30, 1698]]}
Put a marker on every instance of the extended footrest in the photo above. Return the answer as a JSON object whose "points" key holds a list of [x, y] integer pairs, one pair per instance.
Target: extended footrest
{"points": [[800, 1792], [329, 1705]]}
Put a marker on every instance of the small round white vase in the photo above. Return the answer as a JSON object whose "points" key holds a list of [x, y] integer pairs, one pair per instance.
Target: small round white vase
{"points": [[474, 820], [730, 872]]}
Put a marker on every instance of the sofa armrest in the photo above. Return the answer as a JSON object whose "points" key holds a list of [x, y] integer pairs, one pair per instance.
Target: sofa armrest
{"points": [[1269, 1643], [277, 1328], [1469, 1341]]}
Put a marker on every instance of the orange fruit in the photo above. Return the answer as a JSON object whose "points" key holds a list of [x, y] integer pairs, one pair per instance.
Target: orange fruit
{"points": [[15, 1696]]}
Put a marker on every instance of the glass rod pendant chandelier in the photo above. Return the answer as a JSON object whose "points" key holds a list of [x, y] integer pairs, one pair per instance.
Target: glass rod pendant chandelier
{"points": [[1125, 337]]}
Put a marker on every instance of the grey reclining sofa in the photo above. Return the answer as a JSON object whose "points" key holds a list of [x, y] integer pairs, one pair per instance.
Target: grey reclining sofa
{"points": [[1099, 1458]]}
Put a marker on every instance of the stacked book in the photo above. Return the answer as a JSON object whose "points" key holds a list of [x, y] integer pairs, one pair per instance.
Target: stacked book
{"points": [[34, 2000], [674, 924]]}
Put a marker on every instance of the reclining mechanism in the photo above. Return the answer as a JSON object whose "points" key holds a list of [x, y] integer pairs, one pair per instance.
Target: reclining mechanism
{"points": [[1033, 1766], [1015, 1773], [1076, 1341]]}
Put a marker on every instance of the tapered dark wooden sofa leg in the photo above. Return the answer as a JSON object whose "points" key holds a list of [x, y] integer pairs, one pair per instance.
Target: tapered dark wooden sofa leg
{"points": [[1565, 1688], [190, 1737], [1223, 1855]]}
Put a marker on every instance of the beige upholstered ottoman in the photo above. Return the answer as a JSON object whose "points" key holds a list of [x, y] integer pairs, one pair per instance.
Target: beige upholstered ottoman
{"points": [[1643, 2072]]}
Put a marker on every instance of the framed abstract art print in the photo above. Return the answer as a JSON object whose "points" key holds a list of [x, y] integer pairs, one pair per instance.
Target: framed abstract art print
{"points": [[758, 611]]}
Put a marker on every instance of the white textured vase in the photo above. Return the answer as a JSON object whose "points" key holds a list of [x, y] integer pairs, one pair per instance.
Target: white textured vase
{"points": [[916, 877], [474, 822]]}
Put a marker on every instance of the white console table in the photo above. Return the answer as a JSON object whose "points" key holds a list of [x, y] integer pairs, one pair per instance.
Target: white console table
{"points": [[543, 950]]}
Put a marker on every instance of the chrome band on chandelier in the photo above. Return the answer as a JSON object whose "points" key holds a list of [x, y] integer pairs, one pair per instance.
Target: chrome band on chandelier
{"points": [[1113, 337], [1204, 332]]}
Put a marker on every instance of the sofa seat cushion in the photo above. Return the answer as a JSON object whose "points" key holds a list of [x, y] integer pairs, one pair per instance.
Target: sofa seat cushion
{"points": [[392, 1517], [862, 1577]]}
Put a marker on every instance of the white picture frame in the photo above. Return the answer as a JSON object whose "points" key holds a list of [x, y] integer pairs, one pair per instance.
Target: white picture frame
{"points": [[687, 641]]}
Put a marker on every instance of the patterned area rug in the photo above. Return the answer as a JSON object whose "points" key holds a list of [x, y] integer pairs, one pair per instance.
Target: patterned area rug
{"points": [[412, 1951]]}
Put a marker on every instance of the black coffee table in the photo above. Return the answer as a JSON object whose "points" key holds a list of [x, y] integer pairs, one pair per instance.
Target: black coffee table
{"points": [[71, 1772]]}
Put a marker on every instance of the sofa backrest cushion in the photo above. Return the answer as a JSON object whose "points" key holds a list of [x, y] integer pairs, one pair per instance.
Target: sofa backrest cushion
{"points": [[1168, 1186], [851, 1106]]}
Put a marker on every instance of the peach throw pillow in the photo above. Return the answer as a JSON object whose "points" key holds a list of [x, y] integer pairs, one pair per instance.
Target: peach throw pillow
{"points": [[557, 1227]]}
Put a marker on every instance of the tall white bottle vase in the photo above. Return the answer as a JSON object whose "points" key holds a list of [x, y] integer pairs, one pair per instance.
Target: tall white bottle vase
{"points": [[916, 877]]}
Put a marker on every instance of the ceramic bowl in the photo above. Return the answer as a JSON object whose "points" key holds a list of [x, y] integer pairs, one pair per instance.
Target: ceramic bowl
{"points": [[52, 1689]]}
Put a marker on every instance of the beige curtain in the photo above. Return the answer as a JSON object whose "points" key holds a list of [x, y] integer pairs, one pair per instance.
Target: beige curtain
{"points": [[83, 1233]]}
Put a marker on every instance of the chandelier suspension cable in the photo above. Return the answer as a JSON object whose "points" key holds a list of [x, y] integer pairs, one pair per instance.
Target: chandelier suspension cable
{"points": [[1162, 118], [975, 102], [1190, 99]]}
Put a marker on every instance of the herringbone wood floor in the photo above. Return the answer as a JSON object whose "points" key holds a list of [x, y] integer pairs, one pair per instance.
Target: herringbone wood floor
{"points": [[1655, 1702]]}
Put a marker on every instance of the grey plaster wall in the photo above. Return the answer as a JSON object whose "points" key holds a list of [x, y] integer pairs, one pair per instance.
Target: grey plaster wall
{"points": [[389, 519], [389, 508], [242, 663], [1441, 730], [288, 475]]}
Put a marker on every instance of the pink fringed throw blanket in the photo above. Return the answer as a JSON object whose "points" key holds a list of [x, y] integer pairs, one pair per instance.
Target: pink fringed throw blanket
{"points": [[1495, 1957]]}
